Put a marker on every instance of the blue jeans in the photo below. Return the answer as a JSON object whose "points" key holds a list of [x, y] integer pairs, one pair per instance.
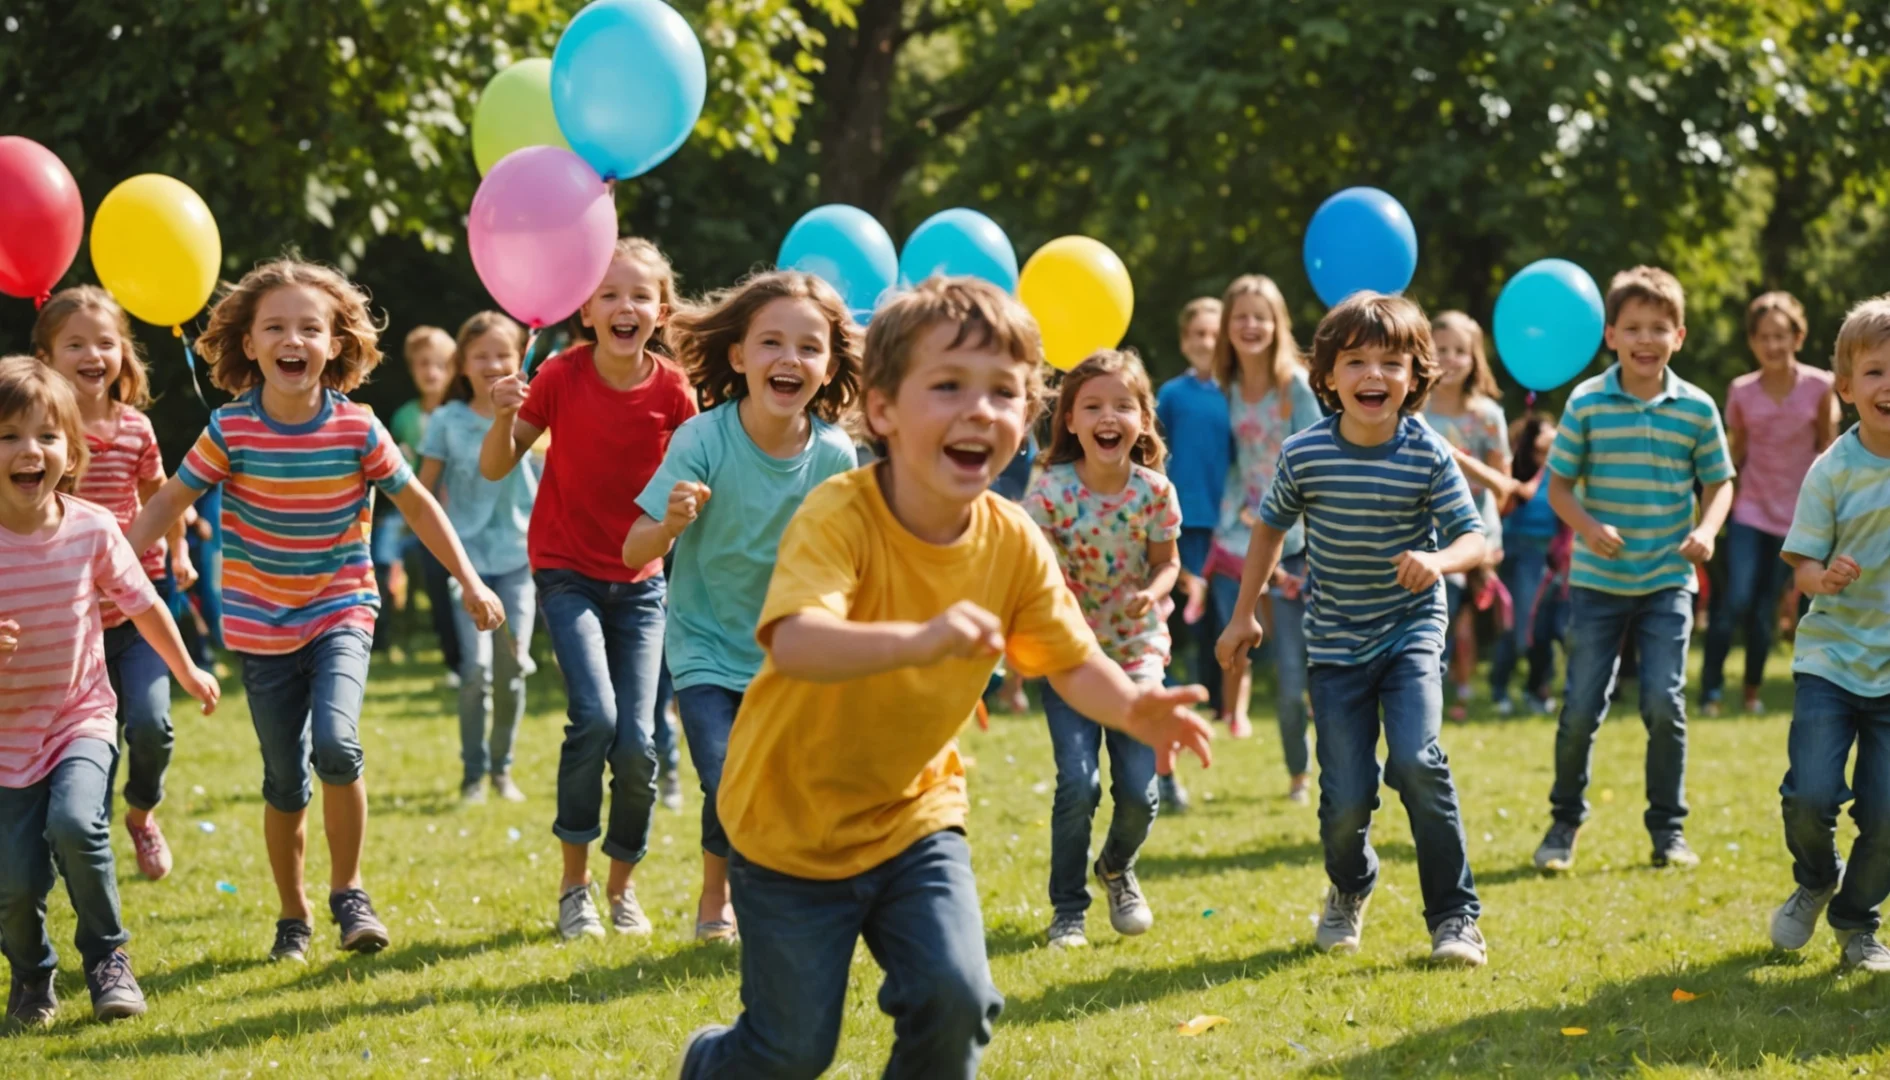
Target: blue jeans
{"points": [[1525, 559], [668, 754], [1286, 639], [306, 706], [493, 665], [1194, 645], [1408, 686], [1755, 580], [1599, 624], [609, 639], [64, 819], [1826, 719], [1077, 742], [708, 715], [919, 914], [143, 685]]}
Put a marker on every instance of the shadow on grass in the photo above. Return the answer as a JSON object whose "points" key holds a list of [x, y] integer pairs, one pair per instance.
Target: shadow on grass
{"points": [[1156, 864], [1139, 984], [1752, 1011], [1009, 939]]}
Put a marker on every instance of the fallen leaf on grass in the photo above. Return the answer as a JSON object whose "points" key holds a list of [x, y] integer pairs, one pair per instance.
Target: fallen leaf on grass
{"points": [[1572, 1032], [1682, 995], [1199, 1024]]}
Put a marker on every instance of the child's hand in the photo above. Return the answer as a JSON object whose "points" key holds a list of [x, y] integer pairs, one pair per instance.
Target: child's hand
{"points": [[963, 631], [685, 502], [1697, 547], [1197, 591], [1241, 637], [1161, 718], [1604, 540], [1836, 578], [483, 605], [1288, 584], [203, 686], [1141, 602], [1417, 570], [9, 639], [182, 568], [509, 394], [1249, 518]]}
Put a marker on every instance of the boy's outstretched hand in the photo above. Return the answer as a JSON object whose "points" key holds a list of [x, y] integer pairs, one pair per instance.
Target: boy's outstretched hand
{"points": [[1161, 717], [483, 605], [963, 631], [1242, 636]]}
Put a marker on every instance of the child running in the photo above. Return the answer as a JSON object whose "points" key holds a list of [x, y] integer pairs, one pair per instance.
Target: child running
{"points": [[1530, 531], [611, 403], [777, 359], [295, 458], [86, 337], [1112, 519], [897, 587], [61, 559], [1192, 413], [1381, 493], [491, 519], [1839, 549]]}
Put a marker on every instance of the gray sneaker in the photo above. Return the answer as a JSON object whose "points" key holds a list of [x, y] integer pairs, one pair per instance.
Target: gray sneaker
{"points": [[1863, 952], [32, 1002], [577, 914], [669, 788], [504, 788], [1674, 852], [626, 915], [1458, 943], [1128, 911], [1066, 932], [1174, 797], [472, 791], [1796, 920], [115, 993], [1557, 850], [1342, 923]]}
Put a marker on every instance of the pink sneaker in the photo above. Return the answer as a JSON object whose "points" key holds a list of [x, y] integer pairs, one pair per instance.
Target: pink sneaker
{"points": [[1239, 727], [154, 855]]}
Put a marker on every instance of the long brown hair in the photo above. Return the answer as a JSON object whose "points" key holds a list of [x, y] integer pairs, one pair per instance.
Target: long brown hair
{"points": [[133, 386], [25, 382], [474, 328], [1124, 364], [1285, 351], [635, 249], [235, 311], [1481, 379], [705, 333]]}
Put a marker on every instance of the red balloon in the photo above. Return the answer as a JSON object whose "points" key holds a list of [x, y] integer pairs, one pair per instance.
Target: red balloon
{"points": [[42, 218]]}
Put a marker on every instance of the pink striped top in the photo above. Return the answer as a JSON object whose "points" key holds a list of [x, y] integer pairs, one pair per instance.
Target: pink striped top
{"points": [[53, 688], [111, 480], [1781, 444]]}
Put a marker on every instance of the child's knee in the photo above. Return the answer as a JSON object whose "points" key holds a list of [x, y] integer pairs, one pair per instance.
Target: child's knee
{"points": [[338, 759], [72, 829], [1078, 788], [959, 1004]]}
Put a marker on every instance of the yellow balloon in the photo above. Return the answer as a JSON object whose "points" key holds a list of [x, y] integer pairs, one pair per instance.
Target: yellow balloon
{"points": [[156, 249], [1080, 293]]}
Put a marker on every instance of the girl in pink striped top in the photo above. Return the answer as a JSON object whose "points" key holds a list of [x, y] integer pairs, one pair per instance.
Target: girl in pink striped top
{"points": [[60, 558], [86, 337]]}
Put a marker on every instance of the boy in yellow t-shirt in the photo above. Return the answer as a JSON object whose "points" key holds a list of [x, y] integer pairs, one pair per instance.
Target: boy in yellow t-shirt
{"points": [[896, 588]]}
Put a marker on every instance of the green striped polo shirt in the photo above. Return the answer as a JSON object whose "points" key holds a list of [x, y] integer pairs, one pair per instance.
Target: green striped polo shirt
{"points": [[1634, 464], [1844, 509]]}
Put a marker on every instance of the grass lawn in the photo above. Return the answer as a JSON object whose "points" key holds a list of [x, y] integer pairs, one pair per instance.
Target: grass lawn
{"points": [[477, 983]]}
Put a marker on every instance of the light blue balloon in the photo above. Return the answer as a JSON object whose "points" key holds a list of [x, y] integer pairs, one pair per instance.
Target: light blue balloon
{"points": [[849, 249], [959, 243], [1359, 239], [627, 83], [1549, 321]]}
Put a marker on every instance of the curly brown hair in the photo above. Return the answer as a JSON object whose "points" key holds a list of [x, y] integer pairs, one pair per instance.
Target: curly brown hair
{"points": [[645, 253], [1124, 364], [133, 387], [1368, 320], [474, 328], [353, 325], [26, 383], [704, 335]]}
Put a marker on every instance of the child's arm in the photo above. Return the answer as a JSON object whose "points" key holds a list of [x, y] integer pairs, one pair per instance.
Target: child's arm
{"points": [[1603, 540], [1422, 570], [509, 437], [1716, 499], [1814, 578], [9, 640], [1830, 418], [155, 624], [429, 523], [819, 646], [429, 474], [1243, 629], [1164, 559], [161, 513], [650, 539], [181, 568], [1481, 472], [1156, 715]]}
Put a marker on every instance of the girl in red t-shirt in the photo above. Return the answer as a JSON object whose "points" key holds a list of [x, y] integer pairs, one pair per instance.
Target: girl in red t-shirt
{"points": [[611, 404]]}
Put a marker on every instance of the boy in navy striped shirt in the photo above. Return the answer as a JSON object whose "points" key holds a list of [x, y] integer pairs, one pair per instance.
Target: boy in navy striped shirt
{"points": [[1388, 514]]}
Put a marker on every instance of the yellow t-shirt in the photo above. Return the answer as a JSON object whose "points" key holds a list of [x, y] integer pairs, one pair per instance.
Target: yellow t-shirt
{"points": [[828, 780]]}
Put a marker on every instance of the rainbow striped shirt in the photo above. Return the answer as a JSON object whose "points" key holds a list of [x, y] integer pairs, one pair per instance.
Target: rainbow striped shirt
{"points": [[295, 510]]}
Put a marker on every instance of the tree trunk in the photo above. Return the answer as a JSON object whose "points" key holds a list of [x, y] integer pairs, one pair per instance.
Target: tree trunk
{"points": [[855, 93]]}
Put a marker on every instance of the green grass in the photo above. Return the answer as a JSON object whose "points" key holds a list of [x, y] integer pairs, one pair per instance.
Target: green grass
{"points": [[477, 983]]}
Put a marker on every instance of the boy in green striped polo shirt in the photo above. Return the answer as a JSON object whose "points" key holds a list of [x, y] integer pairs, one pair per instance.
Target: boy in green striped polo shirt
{"points": [[1632, 443]]}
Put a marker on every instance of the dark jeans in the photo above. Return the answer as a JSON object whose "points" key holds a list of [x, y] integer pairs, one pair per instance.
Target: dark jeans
{"points": [[663, 733], [1408, 686], [65, 820], [919, 914], [1077, 742], [1826, 719], [1599, 623], [1525, 560], [143, 685], [1755, 580], [708, 715], [1194, 645], [608, 636], [306, 707]]}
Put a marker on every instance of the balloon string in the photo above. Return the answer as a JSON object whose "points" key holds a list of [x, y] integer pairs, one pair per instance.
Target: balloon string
{"points": [[1530, 400], [40, 300], [190, 361], [531, 342]]}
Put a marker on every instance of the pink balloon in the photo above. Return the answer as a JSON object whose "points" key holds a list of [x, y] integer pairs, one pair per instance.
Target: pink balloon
{"points": [[542, 229]]}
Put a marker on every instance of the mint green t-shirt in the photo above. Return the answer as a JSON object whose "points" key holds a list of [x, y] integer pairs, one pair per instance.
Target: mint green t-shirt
{"points": [[1844, 509], [725, 559]]}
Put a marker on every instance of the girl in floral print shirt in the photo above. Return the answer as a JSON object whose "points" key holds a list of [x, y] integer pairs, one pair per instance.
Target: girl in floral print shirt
{"points": [[1113, 520]]}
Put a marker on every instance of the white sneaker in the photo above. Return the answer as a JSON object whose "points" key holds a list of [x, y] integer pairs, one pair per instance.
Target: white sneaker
{"points": [[450, 680], [577, 914], [669, 789], [1066, 932], [1128, 911], [1795, 922], [1862, 951], [1343, 922], [1458, 943], [473, 791], [1505, 707], [1556, 853], [626, 915]]}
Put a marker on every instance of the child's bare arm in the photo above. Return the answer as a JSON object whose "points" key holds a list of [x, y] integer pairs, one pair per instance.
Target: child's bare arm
{"points": [[1603, 540], [1814, 578], [161, 514], [509, 437], [1243, 630], [160, 632], [1164, 559], [819, 646], [428, 522], [650, 539], [1155, 715], [1421, 570]]}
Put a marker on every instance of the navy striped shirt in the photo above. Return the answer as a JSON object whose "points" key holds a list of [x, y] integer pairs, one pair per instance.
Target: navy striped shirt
{"points": [[1364, 505]]}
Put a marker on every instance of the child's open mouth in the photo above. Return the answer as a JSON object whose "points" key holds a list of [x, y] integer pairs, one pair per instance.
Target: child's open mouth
{"points": [[1372, 399], [93, 374], [968, 455], [292, 366], [1108, 440], [29, 480], [786, 385], [624, 333]]}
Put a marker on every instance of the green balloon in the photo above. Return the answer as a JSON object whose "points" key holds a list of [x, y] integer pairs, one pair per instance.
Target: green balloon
{"points": [[515, 112]]}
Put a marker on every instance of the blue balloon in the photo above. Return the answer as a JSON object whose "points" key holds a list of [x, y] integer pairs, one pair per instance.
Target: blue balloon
{"points": [[849, 249], [1549, 321], [1359, 239], [959, 243], [627, 83]]}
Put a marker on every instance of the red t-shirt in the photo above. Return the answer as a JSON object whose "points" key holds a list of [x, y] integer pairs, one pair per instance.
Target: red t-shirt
{"points": [[605, 446]]}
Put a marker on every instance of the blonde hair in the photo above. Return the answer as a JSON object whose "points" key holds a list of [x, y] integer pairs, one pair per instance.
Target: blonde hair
{"points": [[1481, 379], [645, 253], [1374, 320], [1782, 304], [1194, 309], [235, 311], [705, 333], [1124, 364], [133, 386], [474, 328], [1226, 365], [425, 335], [1866, 327], [26, 383], [1649, 285]]}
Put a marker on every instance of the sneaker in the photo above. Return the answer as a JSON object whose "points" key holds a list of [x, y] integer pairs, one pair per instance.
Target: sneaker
{"points": [[1239, 727], [1795, 922], [669, 787], [689, 1045], [1299, 789], [1861, 951], [1174, 796], [472, 792], [504, 788], [31, 1001], [1466, 693], [361, 931], [450, 680], [292, 940], [115, 993], [1674, 852], [577, 914], [1342, 923], [1066, 932], [1539, 706], [1556, 853], [1753, 705], [1128, 911], [1458, 943], [626, 915], [1710, 709], [1505, 707], [717, 932], [154, 855]]}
